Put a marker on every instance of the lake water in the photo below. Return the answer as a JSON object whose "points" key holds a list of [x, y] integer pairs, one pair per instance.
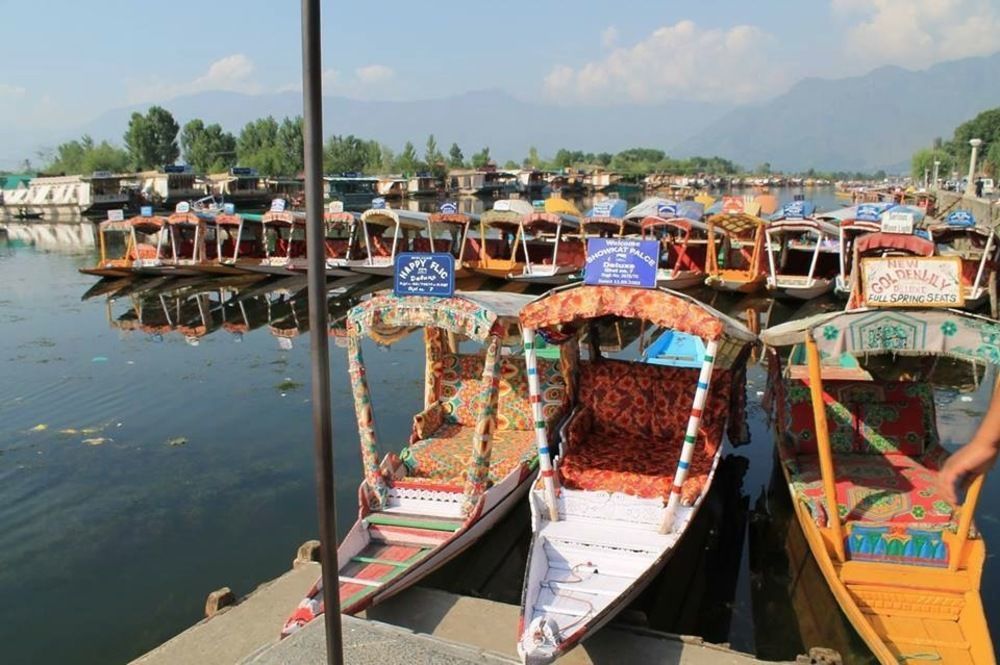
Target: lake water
{"points": [[158, 446]]}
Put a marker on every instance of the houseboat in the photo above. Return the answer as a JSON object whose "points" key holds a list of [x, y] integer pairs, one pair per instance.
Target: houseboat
{"points": [[241, 186], [803, 252], [353, 189], [67, 198], [391, 188], [167, 188], [486, 181], [424, 185]]}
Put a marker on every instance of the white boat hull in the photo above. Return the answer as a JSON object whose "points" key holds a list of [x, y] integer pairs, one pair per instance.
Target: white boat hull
{"points": [[818, 288]]}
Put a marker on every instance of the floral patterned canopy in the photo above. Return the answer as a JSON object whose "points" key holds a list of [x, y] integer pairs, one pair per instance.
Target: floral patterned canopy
{"points": [[473, 314], [662, 307], [909, 331]]}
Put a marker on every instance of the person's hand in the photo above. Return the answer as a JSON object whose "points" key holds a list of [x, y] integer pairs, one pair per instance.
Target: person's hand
{"points": [[968, 462]]}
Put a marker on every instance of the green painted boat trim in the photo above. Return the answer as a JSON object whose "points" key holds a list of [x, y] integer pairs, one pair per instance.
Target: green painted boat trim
{"points": [[388, 520], [388, 577], [381, 562]]}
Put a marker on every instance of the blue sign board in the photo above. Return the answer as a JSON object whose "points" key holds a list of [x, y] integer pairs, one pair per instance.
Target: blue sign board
{"points": [[229, 208], [960, 218], [666, 210], [797, 209], [870, 212], [424, 275], [378, 203], [621, 262], [448, 208], [146, 211]]}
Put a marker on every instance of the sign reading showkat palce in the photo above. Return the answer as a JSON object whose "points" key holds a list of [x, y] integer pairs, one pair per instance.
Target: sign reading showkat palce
{"points": [[904, 281]]}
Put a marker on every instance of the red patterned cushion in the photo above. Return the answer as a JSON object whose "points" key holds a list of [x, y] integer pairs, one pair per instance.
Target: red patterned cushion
{"points": [[635, 466], [880, 489], [630, 430], [444, 457], [864, 417]]}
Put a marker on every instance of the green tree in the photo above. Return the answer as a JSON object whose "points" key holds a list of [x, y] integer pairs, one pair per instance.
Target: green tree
{"points": [[533, 160], [456, 159], [257, 146], [408, 162], [387, 161], [510, 165], [481, 158], [84, 157], [348, 154], [208, 149], [151, 139], [924, 159], [291, 147], [985, 126]]}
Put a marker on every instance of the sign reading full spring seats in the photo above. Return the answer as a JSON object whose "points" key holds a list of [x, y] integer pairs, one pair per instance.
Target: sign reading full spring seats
{"points": [[621, 262], [424, 275], [912, 281]]}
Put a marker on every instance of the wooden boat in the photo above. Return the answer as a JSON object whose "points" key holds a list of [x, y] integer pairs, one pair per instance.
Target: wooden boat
{"points": [[448, 232], [556, 250], [736, 247], [495, 253], [852, 222], [602, 523], [904, 565], [142, 239], [683, 239], [607, 219], [233, 245], [284, 237], [802, 253], [341, 242], [404, 226], [186, 233], [976, 245], [471, 454]]}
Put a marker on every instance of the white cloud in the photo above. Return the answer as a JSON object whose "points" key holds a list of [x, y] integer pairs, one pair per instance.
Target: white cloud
{"points": [[374, 74], [609, 36], [679, 61], [8, 91], [918, 33], [233, 73], [331, 77]]}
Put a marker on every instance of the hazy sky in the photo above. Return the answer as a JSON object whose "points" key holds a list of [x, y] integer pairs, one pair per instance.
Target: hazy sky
{"points": [[68, 60]]}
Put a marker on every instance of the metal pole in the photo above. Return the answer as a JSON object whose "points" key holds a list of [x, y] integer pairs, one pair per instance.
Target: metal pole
{"points": [[312, 102]]}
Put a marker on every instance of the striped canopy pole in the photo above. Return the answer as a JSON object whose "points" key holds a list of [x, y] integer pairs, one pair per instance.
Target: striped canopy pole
{"points": [[691, 436], [541, 431]]}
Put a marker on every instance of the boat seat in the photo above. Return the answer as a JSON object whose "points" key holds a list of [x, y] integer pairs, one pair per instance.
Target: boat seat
{"points": [[891, 504], [142, 251], [862, 417], [441, 440], [336, 248], [379, 248], [627, 433]]}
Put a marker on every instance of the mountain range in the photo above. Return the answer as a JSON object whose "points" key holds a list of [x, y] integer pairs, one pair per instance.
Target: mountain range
{"points": [[869, 122]]}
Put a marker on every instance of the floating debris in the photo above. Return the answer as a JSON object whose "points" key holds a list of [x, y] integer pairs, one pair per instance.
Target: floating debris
{"points": [[177, 441], [96, 441], [99, 359], [40, 427], [287, 385]]}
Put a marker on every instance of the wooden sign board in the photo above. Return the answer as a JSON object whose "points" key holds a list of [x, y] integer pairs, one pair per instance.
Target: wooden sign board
{"points": [[912, 281]]}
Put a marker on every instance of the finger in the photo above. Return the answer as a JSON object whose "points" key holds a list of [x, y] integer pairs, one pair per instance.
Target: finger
{"points": [[946, 484]]}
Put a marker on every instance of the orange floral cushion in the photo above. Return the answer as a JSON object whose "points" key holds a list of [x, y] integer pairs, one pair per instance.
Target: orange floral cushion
{"points": [[444, 457]]}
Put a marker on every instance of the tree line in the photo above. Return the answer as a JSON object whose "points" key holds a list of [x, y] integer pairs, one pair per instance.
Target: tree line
{"points": [[275, 148], [954, 154]]}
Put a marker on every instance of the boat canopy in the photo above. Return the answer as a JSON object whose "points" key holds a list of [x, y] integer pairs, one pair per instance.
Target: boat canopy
{"points": [[451, 218], [677, 222], [228, 219], [507, 214], [386, 318], [649, 207], [185, 219], [548, 222], [283, 218], [820, 226], [339, 219], [958, 221], [608, 216], [735, 205], [139, 223], [737, 223], [389, 217], [608, 209], [560, 206], [900, 331], [879, 240], [555, 314]]}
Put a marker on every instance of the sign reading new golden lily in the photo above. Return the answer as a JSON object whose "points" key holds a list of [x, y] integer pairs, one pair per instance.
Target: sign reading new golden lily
{"points": [[903, 281]]}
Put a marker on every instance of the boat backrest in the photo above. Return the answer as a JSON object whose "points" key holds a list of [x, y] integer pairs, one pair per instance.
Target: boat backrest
{"points": [[570, 253], [462, 382], [640, 400], [863, 417], [336, 248]]}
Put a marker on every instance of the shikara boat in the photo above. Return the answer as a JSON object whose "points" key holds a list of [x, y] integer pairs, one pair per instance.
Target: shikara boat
{"points": [[233, 244], [607, 220], [852, 222], [802, 253], [284, 237], [471, 455], [402, 227], [341, 242], [141, 240], [448, 233], [976, 245], [556, 250], [186, 232], [496, 253], [635, 459], [736, 247], [861, 435], [683, 239], [884, 243]]}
